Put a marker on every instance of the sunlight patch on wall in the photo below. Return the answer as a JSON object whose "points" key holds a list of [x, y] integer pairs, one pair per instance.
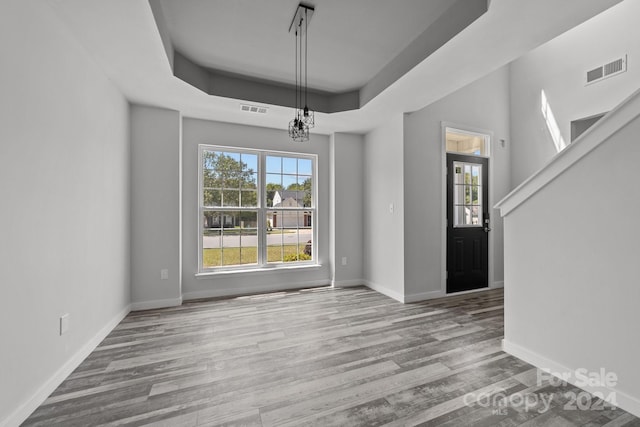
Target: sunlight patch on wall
{"points": [[552, 124]]}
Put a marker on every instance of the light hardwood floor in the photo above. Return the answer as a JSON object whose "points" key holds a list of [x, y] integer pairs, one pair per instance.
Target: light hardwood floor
{"points": [[325, 357]]}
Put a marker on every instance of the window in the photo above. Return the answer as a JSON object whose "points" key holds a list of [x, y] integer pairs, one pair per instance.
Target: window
{"points": [[257, 208], [463, 142], [467, 194]]}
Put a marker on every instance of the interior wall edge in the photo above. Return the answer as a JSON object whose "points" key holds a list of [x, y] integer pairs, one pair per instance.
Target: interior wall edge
{"points": [[384, 290], [624, 401], [31, 404], [154, 304], [348, 283], [423, 296]]}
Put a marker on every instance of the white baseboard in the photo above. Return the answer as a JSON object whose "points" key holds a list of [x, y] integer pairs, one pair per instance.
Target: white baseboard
{"points": [[423, 296], [384, 291], [23, 411], [217, 293], [347, 283], [624, 401], [153, 304], [472, 291]]}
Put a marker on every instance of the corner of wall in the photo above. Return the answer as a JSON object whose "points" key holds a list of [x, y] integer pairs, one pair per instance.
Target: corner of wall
{"points": [[383, 204], [21, 413], [347, 187], [156, 194]]}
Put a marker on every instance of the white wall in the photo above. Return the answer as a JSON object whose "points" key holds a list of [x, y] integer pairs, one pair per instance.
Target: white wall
{"points": [[483, 105], [64, 190], [558, 67], [347, 213], [155, 207], [383, 230], [571, 275], [197, 132]]}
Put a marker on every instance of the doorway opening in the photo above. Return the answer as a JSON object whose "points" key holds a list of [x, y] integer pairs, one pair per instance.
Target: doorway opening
{"points": [[467, 210]]}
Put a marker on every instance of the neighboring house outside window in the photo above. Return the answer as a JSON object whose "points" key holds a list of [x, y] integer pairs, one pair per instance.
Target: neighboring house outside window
{"points": [[289, 199], [257, 208]]}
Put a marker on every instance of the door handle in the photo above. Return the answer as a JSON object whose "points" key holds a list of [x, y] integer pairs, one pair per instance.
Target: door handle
{"points": [[486, 226]]}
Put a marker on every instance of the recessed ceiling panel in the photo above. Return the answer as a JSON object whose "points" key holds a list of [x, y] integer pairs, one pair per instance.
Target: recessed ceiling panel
{"points": [[349, 41]]}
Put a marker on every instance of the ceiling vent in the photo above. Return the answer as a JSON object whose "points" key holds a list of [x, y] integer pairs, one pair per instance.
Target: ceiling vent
{"points": [[607, 70], [253, 108]]}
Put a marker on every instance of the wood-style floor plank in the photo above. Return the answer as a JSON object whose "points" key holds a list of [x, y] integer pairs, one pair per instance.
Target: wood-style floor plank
{"points": [[317, 357]]}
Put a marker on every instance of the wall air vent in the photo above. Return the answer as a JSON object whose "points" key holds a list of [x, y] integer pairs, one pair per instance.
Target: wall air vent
{"points": [[595, 74], [607, 70], [253, 108]]}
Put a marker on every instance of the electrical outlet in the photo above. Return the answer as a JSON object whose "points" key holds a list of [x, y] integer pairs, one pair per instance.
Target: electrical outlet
{"points": [[64, 323], [164, 274], [344, 260]]}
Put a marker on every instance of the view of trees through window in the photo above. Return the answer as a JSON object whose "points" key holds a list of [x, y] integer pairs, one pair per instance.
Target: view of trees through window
{"points": [[253, 217]]}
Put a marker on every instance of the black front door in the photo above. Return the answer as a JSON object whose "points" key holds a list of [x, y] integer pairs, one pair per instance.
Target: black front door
{"points": [[467, 223]]}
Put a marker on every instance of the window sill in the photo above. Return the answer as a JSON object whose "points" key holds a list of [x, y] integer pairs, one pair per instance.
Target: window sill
{"points": [[209, 274]]}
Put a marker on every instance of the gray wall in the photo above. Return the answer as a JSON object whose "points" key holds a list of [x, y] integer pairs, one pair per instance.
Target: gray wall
{"points": [[155, 207], [571, 276], [197, 132], [384, 230], [558, 67], [347, 213], [483, 104], [64, 190]]}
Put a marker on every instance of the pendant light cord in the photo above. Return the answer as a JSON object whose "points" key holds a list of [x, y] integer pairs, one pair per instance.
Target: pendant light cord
{"points": [[300, 70], [296, 67], [305, 56]]}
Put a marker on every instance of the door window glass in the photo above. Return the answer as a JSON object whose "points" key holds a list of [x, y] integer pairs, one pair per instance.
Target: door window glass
{"points": [[467, 195]]}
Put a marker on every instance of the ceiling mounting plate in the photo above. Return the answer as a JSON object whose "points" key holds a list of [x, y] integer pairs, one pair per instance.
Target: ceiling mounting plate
{"points": [[300, 14]]}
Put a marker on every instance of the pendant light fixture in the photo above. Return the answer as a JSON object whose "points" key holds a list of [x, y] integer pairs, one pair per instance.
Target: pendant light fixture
{"points": [[304, 118]]}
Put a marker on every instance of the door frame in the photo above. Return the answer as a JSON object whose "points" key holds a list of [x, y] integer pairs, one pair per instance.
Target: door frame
{"points": [[443, 224]]}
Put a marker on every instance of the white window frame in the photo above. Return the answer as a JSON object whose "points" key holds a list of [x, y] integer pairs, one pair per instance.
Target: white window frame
{"points": [[261, 210]]}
